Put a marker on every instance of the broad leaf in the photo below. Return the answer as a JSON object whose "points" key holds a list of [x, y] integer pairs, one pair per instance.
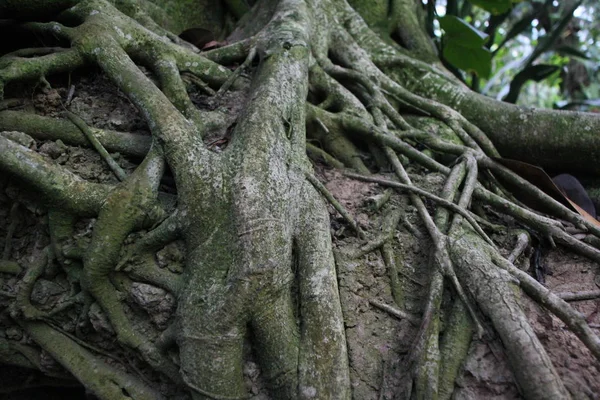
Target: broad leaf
{"points": [[463, 46], [552, 187], [457, 30], [478, 60]]}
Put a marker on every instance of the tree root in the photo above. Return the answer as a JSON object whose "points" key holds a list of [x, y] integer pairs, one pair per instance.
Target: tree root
{"points": [[413, 189], [116, 168], [249, 220], [115, 384], [336, 204], [395, 312], [45, 128], [579, 296]]}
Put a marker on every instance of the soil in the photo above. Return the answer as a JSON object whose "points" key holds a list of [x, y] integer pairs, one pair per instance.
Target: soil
{"points": [[379, 344]]}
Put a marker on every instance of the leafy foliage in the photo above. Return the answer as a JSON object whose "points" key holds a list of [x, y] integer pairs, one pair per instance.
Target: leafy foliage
{"points": [[464, 46], [534, 52]]}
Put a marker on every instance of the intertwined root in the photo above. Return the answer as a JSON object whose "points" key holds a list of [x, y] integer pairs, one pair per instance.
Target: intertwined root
{"points": [[250, 217]]}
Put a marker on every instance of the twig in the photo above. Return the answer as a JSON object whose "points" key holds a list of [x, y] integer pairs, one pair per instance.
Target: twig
{"points": [[198, 82], [388, 227], [378, 201], [322, 125], [70, 94], [387, 253], [238, 71], [411, 228]]}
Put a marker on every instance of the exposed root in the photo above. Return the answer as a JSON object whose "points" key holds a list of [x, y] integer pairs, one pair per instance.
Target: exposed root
{"points": [[315, 153], [336, 204], [523, 241], [116, 168], [571, 317], [579, 296], [22, 305], [76, 360], [46, 128], [238, 71], [10, 267], [413, 189], [395, 312], [251, 224]]}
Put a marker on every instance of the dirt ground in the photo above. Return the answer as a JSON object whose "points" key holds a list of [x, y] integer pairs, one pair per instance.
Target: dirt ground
{"points": [[379, 344]]}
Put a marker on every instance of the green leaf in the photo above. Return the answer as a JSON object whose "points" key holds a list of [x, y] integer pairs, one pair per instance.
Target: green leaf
{"points": [[533, 73], [494, 6], [457, 30], [463, 46], [478, 60]]}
